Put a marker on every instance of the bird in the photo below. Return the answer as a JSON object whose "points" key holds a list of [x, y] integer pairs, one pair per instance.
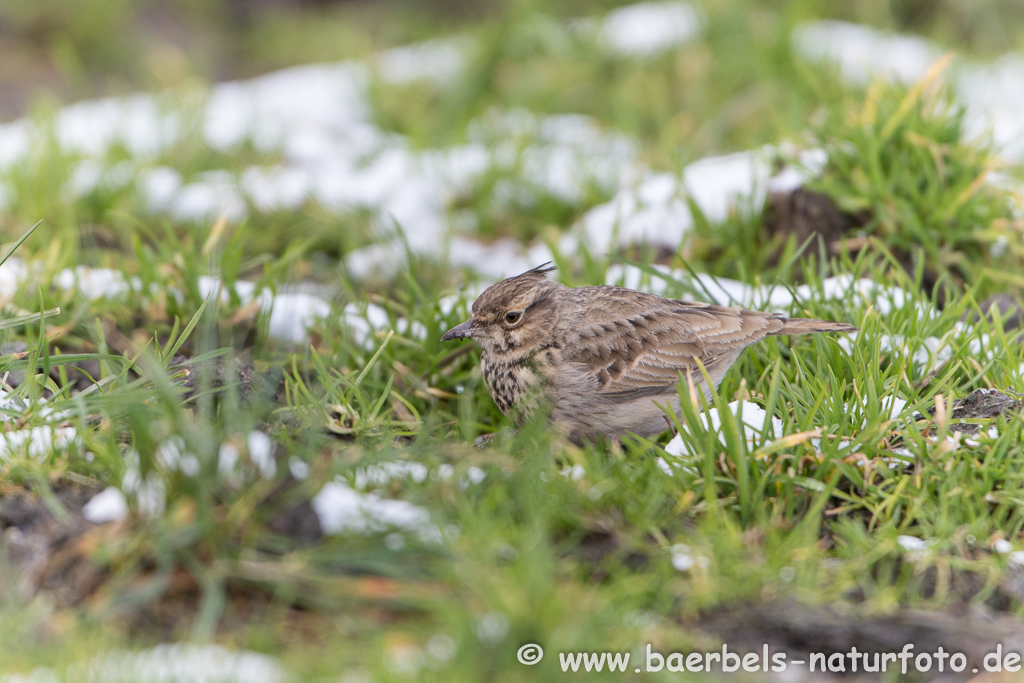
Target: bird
{"points": [[604, 359]]}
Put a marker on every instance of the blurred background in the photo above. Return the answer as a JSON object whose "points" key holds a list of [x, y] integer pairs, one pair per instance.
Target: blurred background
{"points": [[73, 50], [676, 82]]}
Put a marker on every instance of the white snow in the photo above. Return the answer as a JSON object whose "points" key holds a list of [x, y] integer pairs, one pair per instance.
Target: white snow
{"points": [[227, 458], [277, 187], [380, 474], [135, 122], [864, 53], [37, 442], [475, 475], [912, 543], [440, 61], [172, 455], [993, 93], [752, 420], [895, 404], [261, 453], [341, 509], [293, 313], [885, 299], [95, 283], [647, 28], [682, 558], [169, 663], [575, 473], [109, 505], [655, 210], [299, 469], [211, 195], [158, 186]]}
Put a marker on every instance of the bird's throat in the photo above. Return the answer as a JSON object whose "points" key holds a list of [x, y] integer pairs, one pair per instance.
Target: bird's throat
{"points": [[513, 382]]}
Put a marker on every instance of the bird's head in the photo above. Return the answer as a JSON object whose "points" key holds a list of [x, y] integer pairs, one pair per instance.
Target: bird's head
{"points": [[515, 315]]}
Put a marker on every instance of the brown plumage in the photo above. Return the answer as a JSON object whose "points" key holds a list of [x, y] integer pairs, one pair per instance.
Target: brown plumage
{"points": [[604, 357]]}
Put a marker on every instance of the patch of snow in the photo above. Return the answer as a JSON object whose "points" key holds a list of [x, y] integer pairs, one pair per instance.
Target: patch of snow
{"points": [[682, 558], [752, 420], [726, 292], [96, 283], [151, 496], [474, 475], [261, 453], [367, 322], [575, 473], [912, 543], [491, 627], [668, 468], [655, 212], [496, 261], [992, 93], [382, 473], [341, 509], [92, 128], [227, 458], [810, 163], [172, 454], [441, 647], [715, 183], [895, 405], [180, 662], [211, 195], [13, 274], [266, 109], [653, 208], [993, 96], [299, 469], [647, 28], [109, 505], [863, 53], [37, 442], [276, 188], [90, 175], [158, 187], [991, 434], [15, 142], [293, 313], [439, 60]]}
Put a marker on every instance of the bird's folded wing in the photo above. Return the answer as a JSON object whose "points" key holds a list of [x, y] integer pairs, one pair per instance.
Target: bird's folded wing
{"points": [[643, 354]]}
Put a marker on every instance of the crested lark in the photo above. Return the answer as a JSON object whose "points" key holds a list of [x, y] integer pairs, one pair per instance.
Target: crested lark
{"points": [[603, 357]]}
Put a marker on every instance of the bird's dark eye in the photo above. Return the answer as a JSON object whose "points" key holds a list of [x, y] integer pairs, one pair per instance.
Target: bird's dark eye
{"points": [[512, 317]]}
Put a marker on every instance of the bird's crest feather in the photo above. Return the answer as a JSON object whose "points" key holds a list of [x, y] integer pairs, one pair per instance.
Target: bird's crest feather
{"points": [[540, 271]]}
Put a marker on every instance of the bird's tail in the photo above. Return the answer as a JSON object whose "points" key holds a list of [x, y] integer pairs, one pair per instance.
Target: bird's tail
{"points": [[794, 326]]}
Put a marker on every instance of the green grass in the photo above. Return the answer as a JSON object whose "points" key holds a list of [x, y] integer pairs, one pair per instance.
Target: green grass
{"points": [[530, 539]]}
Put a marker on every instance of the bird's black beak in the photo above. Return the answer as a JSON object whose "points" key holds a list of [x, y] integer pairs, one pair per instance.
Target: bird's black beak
{"points": [[460, 331]]}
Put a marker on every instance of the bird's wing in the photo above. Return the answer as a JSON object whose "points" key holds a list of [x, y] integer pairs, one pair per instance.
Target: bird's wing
{"points": [[640, 350]]}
